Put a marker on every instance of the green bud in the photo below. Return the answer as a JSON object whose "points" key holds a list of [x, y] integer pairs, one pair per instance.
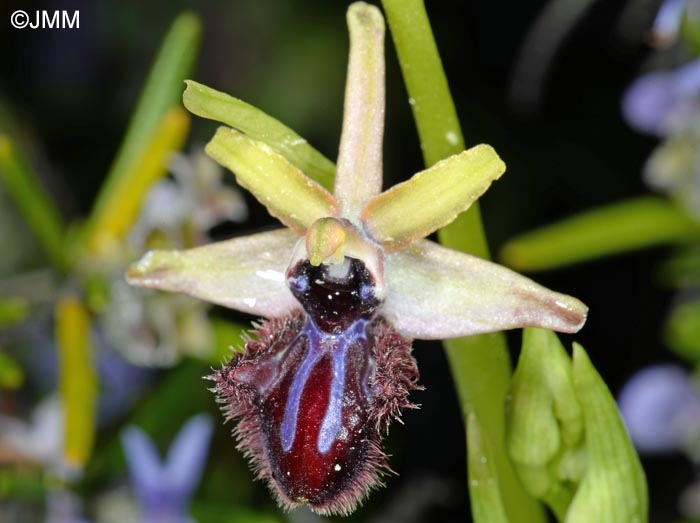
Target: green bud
{"points": [[545, 421], [613, 488], [566, 438]]}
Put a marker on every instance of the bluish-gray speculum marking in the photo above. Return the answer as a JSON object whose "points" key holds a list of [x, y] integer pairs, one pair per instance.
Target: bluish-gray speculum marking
{"points": [[338, 304]]}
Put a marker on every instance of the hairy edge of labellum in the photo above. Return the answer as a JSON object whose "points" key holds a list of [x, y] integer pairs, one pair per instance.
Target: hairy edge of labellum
{"points": [[395, 376]]}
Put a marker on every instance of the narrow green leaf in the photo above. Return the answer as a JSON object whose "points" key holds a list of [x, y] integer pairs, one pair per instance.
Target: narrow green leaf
{"points": [[613, 488], [214, 105], [432, 198], [77, 380], [289, 195], [617, 228], [112, 220], [480, 364], [33, 202], [160, 93]]}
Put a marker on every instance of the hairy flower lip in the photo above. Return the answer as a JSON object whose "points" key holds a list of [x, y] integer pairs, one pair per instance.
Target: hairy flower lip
{"points": [[241, 394]]}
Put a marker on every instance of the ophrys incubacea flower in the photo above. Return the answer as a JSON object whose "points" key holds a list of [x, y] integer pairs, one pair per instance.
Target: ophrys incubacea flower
{"points": [[344, 287]]}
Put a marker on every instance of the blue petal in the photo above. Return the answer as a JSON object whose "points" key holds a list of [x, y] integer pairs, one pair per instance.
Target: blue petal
{"points": [[143, 460], [668, 21], [188, 454], [664, 102], [647, 103], [661, 408], [686, 80]]}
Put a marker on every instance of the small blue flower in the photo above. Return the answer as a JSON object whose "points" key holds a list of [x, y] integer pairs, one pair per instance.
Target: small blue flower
{"points": [[664, 102], [661, 408], [164, 488]]}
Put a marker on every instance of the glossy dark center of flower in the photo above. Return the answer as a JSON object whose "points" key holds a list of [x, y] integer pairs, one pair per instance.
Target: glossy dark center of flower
{"points": [[335, 296]]}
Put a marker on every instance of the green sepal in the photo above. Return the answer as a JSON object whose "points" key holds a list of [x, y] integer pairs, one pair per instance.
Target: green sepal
{"points": [[432, 198], [214, 105], [289, 195]]}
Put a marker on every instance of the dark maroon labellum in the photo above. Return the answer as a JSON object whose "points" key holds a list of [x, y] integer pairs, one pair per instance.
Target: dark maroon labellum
{"points": [[314, 392]]}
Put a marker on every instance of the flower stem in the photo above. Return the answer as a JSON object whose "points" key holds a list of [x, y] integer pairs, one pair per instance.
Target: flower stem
{"points": [[480, 364]]}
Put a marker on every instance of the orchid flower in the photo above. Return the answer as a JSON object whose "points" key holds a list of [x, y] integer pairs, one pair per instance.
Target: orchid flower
{"points": [[343, 287], [667, 104], [164, 489], [661, 408]]}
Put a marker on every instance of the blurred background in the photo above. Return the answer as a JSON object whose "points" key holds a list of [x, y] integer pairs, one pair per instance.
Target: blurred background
{"points": [[545, 92]]}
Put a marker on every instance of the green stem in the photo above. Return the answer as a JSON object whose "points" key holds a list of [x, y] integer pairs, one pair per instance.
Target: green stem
{"points": [[32, 201], [480, 364]]}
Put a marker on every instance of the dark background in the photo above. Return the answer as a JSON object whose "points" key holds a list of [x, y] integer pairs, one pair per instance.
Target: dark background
{"points": [[71, 93]]}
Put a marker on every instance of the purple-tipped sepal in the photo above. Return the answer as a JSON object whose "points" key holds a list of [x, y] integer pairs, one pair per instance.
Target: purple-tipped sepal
{"points": [[310, 407]]}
